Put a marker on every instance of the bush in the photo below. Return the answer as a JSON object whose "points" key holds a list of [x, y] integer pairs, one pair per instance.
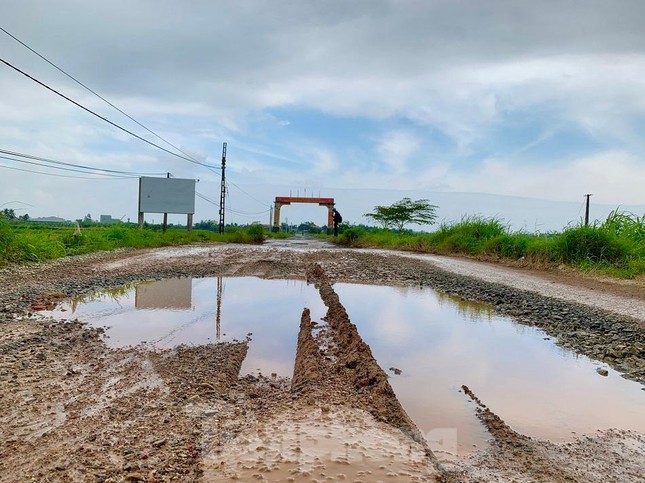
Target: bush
{"points": [[70, 240], [350, 236], [6, 236], [117, 234], [509, 246], [256, 233], [7, 240], [470, 235], [592, 244], [626, 225]]}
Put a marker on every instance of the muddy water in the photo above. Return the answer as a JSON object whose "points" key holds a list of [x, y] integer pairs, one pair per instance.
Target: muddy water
{"points": [[437, 342], [441, 342], [166, 313]]}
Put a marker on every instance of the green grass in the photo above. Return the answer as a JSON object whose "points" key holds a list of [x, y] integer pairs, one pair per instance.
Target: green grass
{"points": [[23, 242], [615, 247]]}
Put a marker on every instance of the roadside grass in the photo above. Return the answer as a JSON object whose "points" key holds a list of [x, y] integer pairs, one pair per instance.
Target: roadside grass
{"points": [[615, 247], [21, 242]]}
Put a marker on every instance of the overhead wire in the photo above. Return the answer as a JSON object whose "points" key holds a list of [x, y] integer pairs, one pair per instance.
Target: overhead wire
{"points": [[249, 213], [63, 163], [66, 169], [95, 93], [241, 212], [64, 175], [205, 198], [8, 64], [247, 194]]}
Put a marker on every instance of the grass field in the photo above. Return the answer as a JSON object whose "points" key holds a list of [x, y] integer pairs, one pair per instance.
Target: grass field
{"points": [[22, 242], [615, 247]]}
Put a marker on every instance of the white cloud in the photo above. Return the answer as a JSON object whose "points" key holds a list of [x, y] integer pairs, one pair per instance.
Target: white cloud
{"points": [[613, 177], [208, 72], [395, 148]]}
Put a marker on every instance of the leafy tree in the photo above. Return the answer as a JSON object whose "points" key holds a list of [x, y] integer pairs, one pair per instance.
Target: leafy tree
{"points": [[403, 212], [24, 217], [309, 226], [9, 213], [211, 225]]}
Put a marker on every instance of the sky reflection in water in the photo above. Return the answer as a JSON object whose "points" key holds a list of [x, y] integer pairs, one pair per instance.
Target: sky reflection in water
{"points": [[438, 341]]}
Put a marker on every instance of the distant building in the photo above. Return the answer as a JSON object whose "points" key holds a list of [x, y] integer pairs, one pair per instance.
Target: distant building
{"points": [[50, 219], [107, 219]]}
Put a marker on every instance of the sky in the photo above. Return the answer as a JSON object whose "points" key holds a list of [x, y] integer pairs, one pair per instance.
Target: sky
{"points": [[513, 109]]}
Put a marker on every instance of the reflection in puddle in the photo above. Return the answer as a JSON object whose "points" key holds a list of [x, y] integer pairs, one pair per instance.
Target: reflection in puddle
{"points": [[162, 315], [172, 293], [438, 341], [537, 387]]}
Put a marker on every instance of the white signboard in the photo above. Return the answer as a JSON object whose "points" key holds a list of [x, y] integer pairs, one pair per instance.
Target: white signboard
{"points": [[166, 195]]}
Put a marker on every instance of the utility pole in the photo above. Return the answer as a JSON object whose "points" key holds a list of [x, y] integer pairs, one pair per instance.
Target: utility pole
{"points": [[271, 217], [587, 209], [165, 215], [222, 197]]}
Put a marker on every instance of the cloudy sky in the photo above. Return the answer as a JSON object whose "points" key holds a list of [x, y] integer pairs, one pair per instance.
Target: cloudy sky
{"points": [[531, 99]]}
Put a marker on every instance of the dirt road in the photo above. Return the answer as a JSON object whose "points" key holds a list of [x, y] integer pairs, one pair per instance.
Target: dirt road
{"points": [[74, 410]]}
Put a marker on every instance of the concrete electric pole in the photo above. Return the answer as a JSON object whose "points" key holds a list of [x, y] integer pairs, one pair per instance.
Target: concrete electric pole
{"points": [[222, 196], [587, 209]]}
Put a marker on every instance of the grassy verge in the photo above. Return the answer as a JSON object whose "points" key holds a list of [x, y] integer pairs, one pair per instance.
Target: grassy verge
{"points": [[615, 247], [25, 242]]}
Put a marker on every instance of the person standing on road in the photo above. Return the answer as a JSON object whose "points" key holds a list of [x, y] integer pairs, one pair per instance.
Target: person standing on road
{"points": [[337, 220]]}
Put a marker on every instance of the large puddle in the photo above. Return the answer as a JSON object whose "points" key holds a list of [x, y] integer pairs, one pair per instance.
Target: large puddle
{"points": [[436, 341]]}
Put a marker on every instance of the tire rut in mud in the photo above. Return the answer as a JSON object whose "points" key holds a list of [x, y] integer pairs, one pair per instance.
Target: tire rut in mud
{"points": [[354, 368]]}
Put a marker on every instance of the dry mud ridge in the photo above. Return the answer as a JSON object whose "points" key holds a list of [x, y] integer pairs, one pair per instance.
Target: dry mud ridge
{"points": [[72, 409]]}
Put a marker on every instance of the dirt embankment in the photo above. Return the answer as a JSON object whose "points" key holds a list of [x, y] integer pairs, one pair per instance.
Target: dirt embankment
{"points": [[74, 410]]}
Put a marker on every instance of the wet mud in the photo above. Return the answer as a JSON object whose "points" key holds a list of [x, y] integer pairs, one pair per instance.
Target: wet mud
{"points": [[74, 410], [355, 363]]}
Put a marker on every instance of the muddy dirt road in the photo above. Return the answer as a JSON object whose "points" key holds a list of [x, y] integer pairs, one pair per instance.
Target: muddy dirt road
{"points": [[74, 410]]}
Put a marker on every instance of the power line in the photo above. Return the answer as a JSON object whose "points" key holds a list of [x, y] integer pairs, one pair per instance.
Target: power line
{"points": [[63, 175], [8, 64], [249, 195], [95, 93], [53, 161], [199, 195], [63, 168], [240, 212]]}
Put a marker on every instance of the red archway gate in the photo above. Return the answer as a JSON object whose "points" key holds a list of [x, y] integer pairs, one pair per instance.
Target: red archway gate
{"points": [[280, 201]]}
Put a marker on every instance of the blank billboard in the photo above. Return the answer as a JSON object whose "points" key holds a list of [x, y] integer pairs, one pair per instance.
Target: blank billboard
{"points": [[166, 195]]}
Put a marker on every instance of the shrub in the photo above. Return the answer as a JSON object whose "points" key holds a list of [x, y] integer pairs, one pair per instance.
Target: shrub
{"points": [[256, 233], [351, 235], [117, 234], [591, 244], [7, 241], [6, 236], [509, 246]]}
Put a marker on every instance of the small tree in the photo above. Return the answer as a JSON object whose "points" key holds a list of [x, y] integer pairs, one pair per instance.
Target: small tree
{"points": [[9, 213], [403, 212]]}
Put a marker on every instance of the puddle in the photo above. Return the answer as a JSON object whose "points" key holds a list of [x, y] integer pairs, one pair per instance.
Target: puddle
{"points": [[441, 342], [438, 342], [166, 313]]}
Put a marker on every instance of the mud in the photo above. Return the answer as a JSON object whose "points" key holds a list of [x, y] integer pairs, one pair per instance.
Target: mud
{"points": [[357, 365], [610, 456], [74, 410]]}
